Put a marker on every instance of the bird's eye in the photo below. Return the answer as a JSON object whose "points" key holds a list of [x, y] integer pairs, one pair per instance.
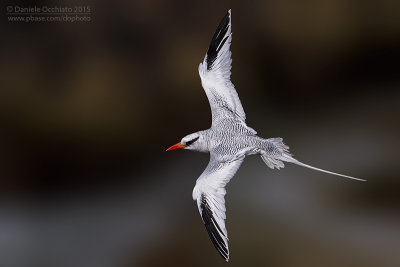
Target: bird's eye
{"points": [[188, 143]]}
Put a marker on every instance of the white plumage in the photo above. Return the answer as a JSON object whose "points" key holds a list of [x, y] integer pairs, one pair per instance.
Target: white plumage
{"points": [[229, 140]]}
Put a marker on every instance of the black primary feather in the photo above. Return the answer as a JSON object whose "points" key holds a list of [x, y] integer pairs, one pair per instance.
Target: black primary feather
{"points": [[214, 231], [218, 40]]}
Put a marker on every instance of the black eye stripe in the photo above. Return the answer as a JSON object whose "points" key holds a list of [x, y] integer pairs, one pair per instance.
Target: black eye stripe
{"points": [[188, 143]]}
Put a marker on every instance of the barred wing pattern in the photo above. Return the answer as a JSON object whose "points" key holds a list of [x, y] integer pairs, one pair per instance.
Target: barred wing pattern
{"points": [[215, 73]]}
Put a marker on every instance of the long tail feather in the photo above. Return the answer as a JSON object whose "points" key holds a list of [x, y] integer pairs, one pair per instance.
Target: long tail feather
{"points": [[275, 151], [295, 161]]}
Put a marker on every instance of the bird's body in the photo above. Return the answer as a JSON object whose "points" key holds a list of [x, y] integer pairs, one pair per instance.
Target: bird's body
{"points": [[229, 140], [228, 137]]}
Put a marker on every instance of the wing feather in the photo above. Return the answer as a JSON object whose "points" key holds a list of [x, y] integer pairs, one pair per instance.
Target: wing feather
{"points": [[209, 193], [215, 73]]}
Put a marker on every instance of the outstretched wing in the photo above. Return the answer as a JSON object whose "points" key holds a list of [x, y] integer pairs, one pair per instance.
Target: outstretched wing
{"points": [[215, 73], [209, 193]]}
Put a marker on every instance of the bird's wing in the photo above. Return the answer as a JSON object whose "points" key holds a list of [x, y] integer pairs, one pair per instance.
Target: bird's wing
{"points": [[209, 193], [215, 73]]}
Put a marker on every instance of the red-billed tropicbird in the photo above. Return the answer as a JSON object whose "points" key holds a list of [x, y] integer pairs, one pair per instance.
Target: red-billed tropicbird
{"points": [[229, 140]]}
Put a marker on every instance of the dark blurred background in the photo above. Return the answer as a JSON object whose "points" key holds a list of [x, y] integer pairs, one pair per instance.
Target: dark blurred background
{"points": [[87, 110]]}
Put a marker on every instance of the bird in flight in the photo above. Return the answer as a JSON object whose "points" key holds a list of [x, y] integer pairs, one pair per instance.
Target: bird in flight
{"points": [[229, 140]]}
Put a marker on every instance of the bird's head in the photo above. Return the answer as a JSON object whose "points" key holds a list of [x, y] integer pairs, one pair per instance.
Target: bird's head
{"points": [[194, 141]]}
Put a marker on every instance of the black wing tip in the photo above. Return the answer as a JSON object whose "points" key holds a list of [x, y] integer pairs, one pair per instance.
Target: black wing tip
{"points": [[213, 228], [218, 39]]}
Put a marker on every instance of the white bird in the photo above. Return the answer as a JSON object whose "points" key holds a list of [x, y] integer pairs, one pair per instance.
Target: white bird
{"points": [[229, 140]]}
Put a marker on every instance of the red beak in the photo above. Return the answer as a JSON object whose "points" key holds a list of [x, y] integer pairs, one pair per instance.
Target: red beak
{"points": [[176, 146]]}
